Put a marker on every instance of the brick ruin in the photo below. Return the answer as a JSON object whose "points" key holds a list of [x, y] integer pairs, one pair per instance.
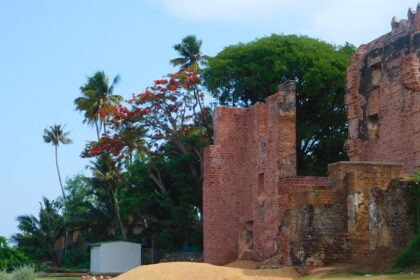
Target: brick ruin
{"points": [[383, 97], [256, 207]]}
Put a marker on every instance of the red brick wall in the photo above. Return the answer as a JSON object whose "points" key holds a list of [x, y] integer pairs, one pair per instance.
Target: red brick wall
{"points": [[254, 147], [393, 99]]}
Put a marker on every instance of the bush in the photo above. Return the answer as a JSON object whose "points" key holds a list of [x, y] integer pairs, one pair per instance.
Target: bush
{"points": [[411, 256], [23, 273], [10, 258], [77, 259]]}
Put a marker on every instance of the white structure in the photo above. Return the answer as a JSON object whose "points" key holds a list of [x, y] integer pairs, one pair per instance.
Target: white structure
{"points": [[114, 257]]}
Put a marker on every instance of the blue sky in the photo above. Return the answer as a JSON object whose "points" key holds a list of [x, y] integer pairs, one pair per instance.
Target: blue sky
{"points": [[48, 47]]}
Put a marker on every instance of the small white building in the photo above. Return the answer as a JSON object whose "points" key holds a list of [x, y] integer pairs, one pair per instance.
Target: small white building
{"points": [[114, 257]]}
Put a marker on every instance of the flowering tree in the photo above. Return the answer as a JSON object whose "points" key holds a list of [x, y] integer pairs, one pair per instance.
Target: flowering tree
{"points": [[169, 111]]}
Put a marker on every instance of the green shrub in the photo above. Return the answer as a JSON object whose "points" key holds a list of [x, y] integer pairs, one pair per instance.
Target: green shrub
{"points": [[411, 256], [77, 259], [23, 273], [10, 258]]}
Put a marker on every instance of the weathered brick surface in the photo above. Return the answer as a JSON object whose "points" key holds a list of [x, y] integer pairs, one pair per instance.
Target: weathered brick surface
{"points": [[255, 207], [383, 98], [254, 147]]}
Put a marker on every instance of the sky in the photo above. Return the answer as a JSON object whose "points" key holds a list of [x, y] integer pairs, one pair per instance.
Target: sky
{"points": [[49, 47]]}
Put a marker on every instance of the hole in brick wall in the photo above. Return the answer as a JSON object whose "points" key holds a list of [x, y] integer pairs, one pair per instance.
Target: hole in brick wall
{"points": [[260, 183], [249, 235], [373, 127], [376, 75]]}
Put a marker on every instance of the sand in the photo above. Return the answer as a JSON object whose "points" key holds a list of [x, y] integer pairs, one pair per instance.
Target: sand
{"points": [[202, 271]]}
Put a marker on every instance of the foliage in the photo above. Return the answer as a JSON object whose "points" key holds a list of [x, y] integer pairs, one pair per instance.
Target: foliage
{"points": [[56, 136], [97, 99], [10, 258], [165, 129], [171, 216], [411, 256], [77, 259], [88, 209], [244, 74], [38, 235], [190, 54]]}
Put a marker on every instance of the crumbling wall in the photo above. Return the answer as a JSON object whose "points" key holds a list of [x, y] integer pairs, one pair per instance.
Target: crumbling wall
{"points": [[254, 147], [362, 211], [256, 208], [383, 99]]}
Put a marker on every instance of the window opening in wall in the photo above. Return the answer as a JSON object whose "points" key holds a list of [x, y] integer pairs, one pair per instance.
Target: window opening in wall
{"points": [[373, 127], [260, 183], [249, 235], [376, 75]]}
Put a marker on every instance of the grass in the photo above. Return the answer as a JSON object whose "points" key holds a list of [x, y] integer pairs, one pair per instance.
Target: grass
{"points": [[58, 278], [347, 276]]}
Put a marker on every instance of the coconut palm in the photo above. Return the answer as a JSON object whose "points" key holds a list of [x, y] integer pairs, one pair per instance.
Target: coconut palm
{"points": [[39, 235], [97, 97], [107, 178], [56, 136], [190, 51]]}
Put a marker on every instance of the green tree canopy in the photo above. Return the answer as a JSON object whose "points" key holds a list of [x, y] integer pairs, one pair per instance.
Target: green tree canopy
{"points": [[244, 74]]}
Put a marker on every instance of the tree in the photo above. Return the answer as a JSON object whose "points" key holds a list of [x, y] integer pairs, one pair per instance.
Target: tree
{"points": [[10, 258], [170, 111], [97, 100], [107, 176], [168, 125], [56, 135], [244, 74], [88, 208], [39, 235], [190, 54]]}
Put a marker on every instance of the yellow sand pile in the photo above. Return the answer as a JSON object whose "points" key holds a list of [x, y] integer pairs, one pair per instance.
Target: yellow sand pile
{"points": [[244, 264], [202, 271]]}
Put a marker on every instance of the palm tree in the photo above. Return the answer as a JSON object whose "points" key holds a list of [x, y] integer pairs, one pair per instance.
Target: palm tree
{"points": [[56, 135], [97, 96], [107, 177], [39, 235], [190, 51]]}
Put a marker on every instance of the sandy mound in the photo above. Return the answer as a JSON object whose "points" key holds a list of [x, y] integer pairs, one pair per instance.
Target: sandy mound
{"points": [[202, 271], [244, 264]]}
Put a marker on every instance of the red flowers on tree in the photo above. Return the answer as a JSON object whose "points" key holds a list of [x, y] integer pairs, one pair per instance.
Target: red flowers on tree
{"points": [[167, 111]]}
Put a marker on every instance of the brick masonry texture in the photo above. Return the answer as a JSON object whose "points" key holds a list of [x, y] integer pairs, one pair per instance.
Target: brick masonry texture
{"points": [[383, 98], [255, 207]]}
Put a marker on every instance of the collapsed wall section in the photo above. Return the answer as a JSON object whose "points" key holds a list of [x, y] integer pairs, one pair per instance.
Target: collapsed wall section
{"points": [[383, 98], [353, 219], [254, 147]]}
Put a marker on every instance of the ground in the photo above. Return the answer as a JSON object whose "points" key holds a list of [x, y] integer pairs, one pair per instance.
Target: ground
{"points": [[346, 276], [243, 270]]}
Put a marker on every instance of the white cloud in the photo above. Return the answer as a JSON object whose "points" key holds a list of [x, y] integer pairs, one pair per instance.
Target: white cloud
{"points": [[228, 10], [358, 20], [331, 20]]}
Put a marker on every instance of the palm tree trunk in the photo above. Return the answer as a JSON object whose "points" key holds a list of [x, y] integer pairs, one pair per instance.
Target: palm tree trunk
{"points": [[64, 195], [59, 175], [117, 210], [97, 130]]}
